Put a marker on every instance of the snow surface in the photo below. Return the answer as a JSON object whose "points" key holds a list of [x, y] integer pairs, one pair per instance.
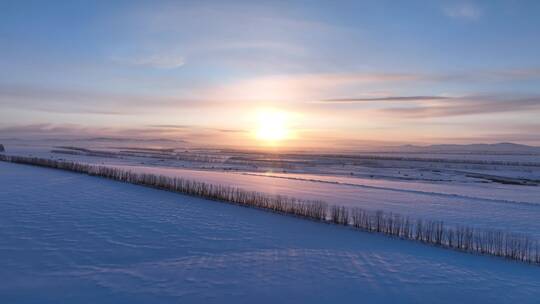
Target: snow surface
{"points": [[71, 238], [429, 190], [477, 205], [404, 166]]}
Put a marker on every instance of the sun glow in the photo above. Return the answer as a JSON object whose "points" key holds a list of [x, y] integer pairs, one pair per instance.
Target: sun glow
{"points": [[272, 126]]}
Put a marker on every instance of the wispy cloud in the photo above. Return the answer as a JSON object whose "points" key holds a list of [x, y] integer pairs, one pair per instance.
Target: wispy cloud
{"points": [[464, 11], [59, 100], [248, 36], [461, 106], [496, 75], [437, 106], [318, 86], [181, 127], [386, 98], [77, 132], [80, 132], [231, 130], [195, 128], [66, 131], [301, 87], [157, 60], [292, 88]]}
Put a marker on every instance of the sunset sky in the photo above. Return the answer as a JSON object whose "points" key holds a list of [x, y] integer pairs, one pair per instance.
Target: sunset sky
{"points": [[290, 73]]}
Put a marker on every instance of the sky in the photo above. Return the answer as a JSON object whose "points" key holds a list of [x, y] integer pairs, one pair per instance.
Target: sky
{"points": [[331, 74]]}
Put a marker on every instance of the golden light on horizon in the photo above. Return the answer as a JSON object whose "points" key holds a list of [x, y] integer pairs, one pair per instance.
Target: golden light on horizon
{"points": [[272, 127]]}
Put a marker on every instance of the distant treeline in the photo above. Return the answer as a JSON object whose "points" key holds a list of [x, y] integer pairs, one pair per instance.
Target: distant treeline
{"points": [[167, 150], [161, 154], [83, 151], [353, 158], [512, 246]]}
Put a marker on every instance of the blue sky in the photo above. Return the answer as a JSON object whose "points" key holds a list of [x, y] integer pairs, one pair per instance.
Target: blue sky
{"points": [[340, 71]]}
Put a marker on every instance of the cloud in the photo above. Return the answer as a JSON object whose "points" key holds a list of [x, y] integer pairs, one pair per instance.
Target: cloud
{"points": [[181, 127], [31, 131], [246, 35], [438, 106], [158, 60], [461, 106], [59, 100], [293, 89], [231, 130], [191, 135], [81, 132], [197, 128], [509, 74], [322, 86], [387, 98], [464, 11], [300, 87]]}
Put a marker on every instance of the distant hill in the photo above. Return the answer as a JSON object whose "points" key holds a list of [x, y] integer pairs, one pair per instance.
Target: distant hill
{"points": [[471, 148], [143, 140]]}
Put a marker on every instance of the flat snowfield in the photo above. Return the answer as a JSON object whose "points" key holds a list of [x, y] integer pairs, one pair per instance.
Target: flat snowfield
{"points": [[486, 206], [70, 238]]}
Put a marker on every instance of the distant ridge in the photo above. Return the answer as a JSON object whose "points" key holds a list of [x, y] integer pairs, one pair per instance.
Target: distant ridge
{"points": [[123, 139], [97, 139], [470, 148]]}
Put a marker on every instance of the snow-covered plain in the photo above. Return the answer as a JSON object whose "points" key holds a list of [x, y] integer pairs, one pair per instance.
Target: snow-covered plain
{"points": [[476, 206], [70, 238], [441, 190]]}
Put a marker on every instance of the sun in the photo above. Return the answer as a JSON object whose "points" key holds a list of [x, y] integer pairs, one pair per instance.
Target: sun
{"points": [[272, 126]]}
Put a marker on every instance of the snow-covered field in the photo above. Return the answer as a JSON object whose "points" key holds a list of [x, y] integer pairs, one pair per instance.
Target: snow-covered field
{"points": [[469, 194], [486, 206], [70, 238]]}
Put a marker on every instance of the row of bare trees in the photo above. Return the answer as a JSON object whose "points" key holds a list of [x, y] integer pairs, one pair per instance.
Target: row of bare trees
{"points": [[491, 242]]}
